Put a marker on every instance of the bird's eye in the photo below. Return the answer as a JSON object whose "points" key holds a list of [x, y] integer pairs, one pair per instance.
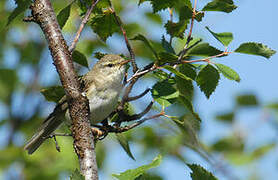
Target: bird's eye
{"points": [[110, 65]]}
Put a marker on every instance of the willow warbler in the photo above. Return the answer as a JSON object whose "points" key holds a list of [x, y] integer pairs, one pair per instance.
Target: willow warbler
{"points": [[102, 86]]}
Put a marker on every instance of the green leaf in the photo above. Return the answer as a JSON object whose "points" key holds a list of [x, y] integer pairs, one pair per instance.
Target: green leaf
{"points": [[186, 14], [229, 144], [226, 117], [76, 175], [159, 5], [228, 72], [239, 158], [154, 17], [199, 173], [207, 79], [80, 58], [22, 5], [167, 46], [63, 16], [255, 49], [199, 16], [247, 100], [226, 6], [149, 176], [104, 25], [176, 29], [225, 38], [176, 72], [205, 50], [188, 70], [140, 37], [8, 79], [54, 93], [164, 93], [273, 106], [133, 173], [185, 87], [164, 57], [125, 145]]}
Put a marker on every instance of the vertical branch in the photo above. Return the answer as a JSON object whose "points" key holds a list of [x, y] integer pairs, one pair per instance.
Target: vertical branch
{"points": [[43, 14]]}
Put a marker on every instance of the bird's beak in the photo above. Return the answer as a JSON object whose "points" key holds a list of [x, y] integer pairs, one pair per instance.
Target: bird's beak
{"points": [[124, 62]]}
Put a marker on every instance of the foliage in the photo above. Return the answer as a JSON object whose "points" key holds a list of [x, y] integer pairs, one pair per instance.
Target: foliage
{"points": [[181, 63], [134, 173]]}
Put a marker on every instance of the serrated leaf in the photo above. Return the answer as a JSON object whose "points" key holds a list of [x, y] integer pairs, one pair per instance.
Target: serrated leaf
{"points": [[207, 79], [164, 57], [133, 173], [104, 25], [226, 6], [176, 72], [54, 93], [186, 14], [164, 93], [226, 117], [255, 49], [76, 175], [159, 5], [176, 29], [188, 70], [185, 87], [247, 100], [80, 58], [22, 5], [125, 145], [199, 173], [228, 72], [63, 16], [140, 37], [167, 46], [225, 38], [205, 50]]}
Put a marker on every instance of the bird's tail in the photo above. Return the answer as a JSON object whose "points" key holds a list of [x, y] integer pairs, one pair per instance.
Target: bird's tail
{"points": [[53, 121]]}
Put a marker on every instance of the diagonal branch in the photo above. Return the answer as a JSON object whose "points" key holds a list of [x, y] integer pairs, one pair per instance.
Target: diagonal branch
{"points": [[131, 52], [82, 25]]}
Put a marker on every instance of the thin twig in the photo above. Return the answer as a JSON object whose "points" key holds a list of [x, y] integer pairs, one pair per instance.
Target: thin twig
{"points": [[82, 25], [143, 72], [206, 59], [139, 115], [59, 134], [130, 50], [139, 96], [192, 46], [189, 37], [126, 128]]}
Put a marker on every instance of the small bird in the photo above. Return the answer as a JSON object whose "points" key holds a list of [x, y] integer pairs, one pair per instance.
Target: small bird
{"points": [[102, 86]]}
